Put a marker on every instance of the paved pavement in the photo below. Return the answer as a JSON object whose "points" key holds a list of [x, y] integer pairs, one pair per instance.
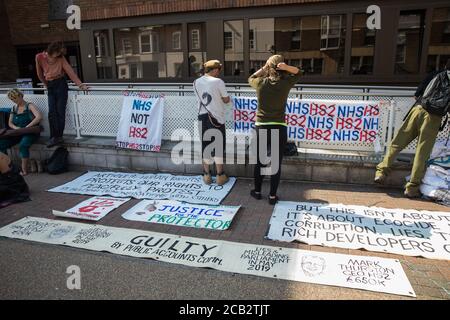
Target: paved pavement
{"points": [[38, 271]]}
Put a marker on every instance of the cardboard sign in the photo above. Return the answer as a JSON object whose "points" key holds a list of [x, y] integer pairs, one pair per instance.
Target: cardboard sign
{"points": [[141, 123], [148, 186], [399, 231], [92, 209], [182, 214]]}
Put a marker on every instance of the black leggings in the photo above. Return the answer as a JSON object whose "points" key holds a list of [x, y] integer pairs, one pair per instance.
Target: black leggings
{"points": [[282, 140]]}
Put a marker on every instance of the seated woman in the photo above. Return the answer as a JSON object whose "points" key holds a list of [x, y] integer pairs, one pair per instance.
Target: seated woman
{"points": [[23, 115]]}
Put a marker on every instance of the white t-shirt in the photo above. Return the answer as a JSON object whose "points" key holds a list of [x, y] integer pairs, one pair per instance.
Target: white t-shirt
{"points": [[211, 90]]}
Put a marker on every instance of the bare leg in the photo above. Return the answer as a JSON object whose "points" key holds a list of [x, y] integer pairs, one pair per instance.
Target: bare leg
{"points": [[24, 167]]}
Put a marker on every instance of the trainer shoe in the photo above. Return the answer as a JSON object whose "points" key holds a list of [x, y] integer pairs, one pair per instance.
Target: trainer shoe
{"points": [[207, 178], [222, 179], [411, 194], [380, 179]]}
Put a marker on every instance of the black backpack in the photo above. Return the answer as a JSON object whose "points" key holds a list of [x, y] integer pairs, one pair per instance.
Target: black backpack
{"points": [[438, 100], [58, 162]]}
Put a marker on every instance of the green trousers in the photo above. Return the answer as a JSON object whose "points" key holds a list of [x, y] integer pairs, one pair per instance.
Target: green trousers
{"points": [[419, 124]]}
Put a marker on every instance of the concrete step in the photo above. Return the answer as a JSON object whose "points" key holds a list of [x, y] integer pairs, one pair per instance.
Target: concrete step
{"points": [[309, 165]]}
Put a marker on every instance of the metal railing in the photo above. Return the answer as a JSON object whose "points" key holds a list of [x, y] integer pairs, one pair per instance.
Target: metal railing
{"points": [[97, 112]]}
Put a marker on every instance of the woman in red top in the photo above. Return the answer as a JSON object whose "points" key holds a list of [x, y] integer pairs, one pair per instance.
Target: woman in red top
{"points": [[52, 67]]}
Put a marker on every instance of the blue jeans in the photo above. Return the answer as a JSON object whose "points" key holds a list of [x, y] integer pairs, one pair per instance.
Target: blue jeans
{"points": [[57, 102]]}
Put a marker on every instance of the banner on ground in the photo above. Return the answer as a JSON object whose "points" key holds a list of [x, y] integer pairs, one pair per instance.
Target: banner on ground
{"points": [[317, 120], [148, 186], [182, 214], [92, 209], [399, 231], [141, 122], [367, 273]]}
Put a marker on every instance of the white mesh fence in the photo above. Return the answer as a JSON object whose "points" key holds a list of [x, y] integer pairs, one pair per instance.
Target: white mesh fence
{"points": [[99, 113]]}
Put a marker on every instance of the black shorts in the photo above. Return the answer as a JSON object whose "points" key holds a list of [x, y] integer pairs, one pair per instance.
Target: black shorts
{"points": [[219, 150]]}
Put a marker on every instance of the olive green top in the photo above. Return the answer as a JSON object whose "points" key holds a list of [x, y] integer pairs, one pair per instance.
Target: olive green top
{"points": [[272, 97]]}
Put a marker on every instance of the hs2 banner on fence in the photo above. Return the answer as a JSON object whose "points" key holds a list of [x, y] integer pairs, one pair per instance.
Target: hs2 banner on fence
{"points": [[360, 272], [399, 231], [182, 214], [317, 120], [141, 122], [148, 186]]}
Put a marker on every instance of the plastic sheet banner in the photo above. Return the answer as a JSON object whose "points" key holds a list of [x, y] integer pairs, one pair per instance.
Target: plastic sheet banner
{"points": [[92, 209], [399, 231], [182, 214], [141, 122], [317, 120], [366, 273], [148, 186]]}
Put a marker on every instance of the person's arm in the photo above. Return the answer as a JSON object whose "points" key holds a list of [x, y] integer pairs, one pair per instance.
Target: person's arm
{"points": [[10, 121], [72, 75], [37, 116], [39, 72], [294, 72], [255, 78], [223, 93]]}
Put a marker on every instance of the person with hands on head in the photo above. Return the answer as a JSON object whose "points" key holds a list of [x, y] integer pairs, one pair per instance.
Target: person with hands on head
{"points": [[51, 68], [272, 83], [23, 115]]}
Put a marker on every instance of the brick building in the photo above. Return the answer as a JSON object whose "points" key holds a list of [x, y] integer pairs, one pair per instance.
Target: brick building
{"points": [[167, 41]]}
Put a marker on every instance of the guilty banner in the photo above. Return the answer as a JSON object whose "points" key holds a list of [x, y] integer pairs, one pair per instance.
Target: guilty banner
{"points": [[317, 120], [367, 273], [147, 186], [399, 231], [182, 214]]}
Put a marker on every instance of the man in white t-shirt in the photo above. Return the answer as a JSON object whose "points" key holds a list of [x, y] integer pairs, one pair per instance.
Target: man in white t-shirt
{"points": [[212, 97]]}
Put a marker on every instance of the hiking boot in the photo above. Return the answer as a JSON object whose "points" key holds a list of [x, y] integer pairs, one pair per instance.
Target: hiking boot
{"points": [[207, 178], [412, 194], [380, 179], [222, 179]]}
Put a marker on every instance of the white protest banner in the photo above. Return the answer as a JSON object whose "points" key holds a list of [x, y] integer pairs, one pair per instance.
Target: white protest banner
{"points": [[148, 186], [366, 273], [92, 209], [182, 214], [405, 232], [141, 122], [317, 120]]}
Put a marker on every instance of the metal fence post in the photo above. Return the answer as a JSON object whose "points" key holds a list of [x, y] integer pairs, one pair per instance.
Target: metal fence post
{"points": [[77, 116], [391, 121]]}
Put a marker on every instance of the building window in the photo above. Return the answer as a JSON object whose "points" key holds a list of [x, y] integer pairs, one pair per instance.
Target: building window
{"points": [[148, 42], [103, 59], [439, 48], [330, 32], [101, 44], [234, 48], [127, 46], [316, 44], [363, 46], [409, 41], [195, 39], [149, 52], [197, 55], [228, 40], [251, 39], [176, 40]]}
